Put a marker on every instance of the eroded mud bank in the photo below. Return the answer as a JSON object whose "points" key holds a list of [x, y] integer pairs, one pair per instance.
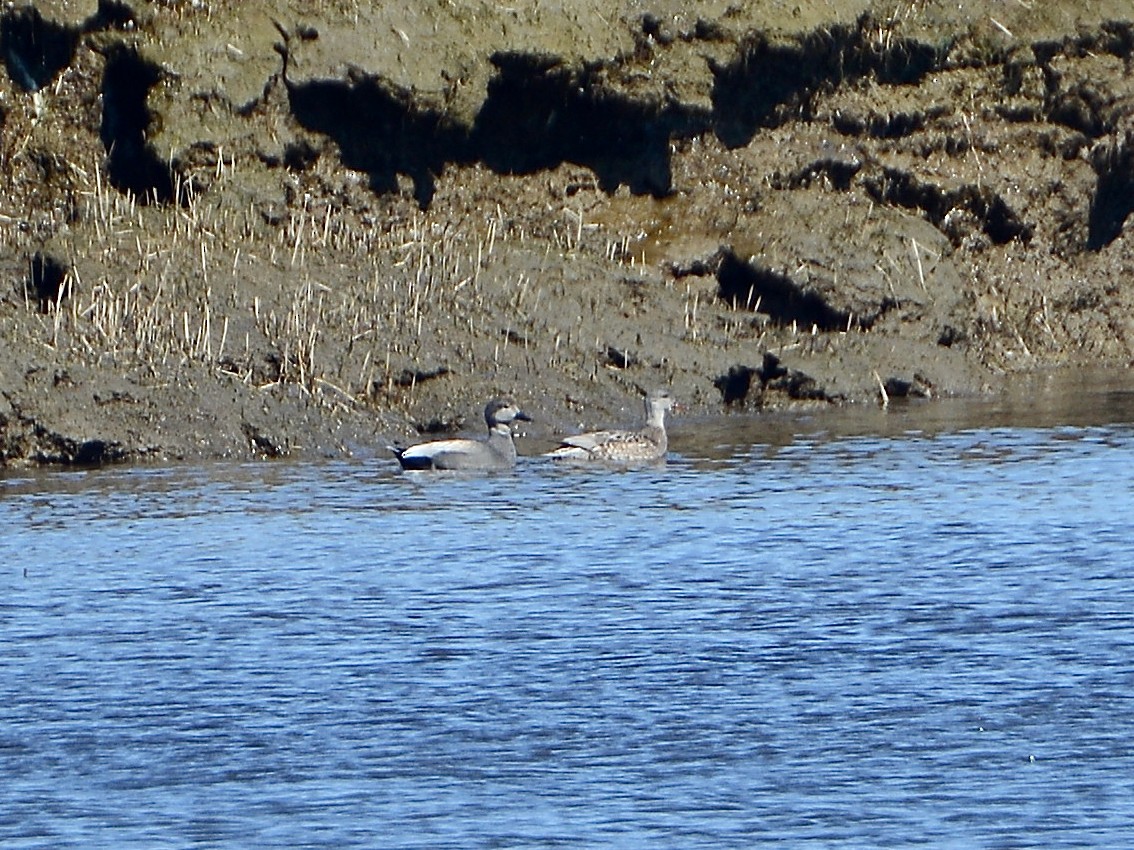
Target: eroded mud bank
{"points": [[309, 230]]}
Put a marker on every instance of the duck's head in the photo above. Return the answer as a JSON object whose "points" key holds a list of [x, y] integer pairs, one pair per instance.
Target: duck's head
{"points": [[503, 411], [658, 402]]}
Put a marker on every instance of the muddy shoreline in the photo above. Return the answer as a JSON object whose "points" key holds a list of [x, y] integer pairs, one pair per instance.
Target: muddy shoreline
{"points": [[308, 231]]}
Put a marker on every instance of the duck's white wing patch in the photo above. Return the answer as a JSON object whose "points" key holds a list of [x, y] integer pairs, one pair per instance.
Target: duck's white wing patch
{"points": [[436, 448]]}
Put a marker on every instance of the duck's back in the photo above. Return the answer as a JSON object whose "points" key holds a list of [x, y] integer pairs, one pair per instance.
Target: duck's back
{"points": [[626, 446], [460, 454]]}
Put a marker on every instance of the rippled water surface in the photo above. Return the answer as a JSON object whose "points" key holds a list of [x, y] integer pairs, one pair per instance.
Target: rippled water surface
{"points": [[885, 636]]}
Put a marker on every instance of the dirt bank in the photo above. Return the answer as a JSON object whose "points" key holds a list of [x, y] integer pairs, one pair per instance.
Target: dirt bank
{"points": [[313, 228]]}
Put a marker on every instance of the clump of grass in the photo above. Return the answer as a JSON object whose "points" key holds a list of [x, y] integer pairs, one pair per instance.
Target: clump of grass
{"points": [[333, 300]]}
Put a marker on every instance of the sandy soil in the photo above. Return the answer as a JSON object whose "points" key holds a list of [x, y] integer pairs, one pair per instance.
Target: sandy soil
{"points": [[313, 228]]}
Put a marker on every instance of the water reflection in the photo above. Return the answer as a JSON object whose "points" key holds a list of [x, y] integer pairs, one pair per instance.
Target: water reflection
{"points": [[1079, 400]]}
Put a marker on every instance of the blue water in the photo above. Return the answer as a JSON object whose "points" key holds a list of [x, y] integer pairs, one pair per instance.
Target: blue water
{"points": [[888, 640]]}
